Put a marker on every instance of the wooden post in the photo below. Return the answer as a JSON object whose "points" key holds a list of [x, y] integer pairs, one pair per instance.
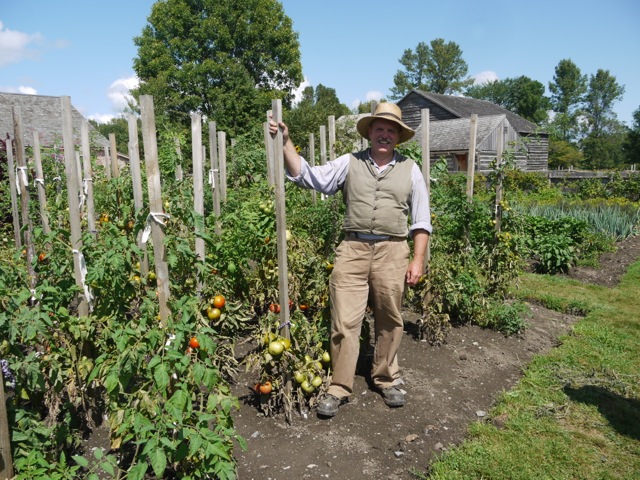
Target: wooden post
{"points": [[155, 203], [268, 141], [23, 182], [71, 171], [42, 195], [115, 170], [107, 163], [88, 175], [281, 234], [198, 188], [332, 137], [471, 156], [222, 159], [178, 173], [136, 179], [312, 162], [426, 167], [500, 178], [13, 193], [323, 144], [214, 177], [6, 463]]}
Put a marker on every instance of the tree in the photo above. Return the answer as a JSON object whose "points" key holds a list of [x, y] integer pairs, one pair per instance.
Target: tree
{"points": [[521, 95], [312, 111], [438, 69], [603, 149], [224, 59], [602, 93], [120, 128], [631, 145], [568, 89]]}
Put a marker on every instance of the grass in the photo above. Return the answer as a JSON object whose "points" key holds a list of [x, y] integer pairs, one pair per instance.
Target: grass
{"points": [[575, 414]]}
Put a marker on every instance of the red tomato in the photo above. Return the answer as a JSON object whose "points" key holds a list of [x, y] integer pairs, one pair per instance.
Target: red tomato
{"points": [[194, 343], [265, 388], [219, 301], [274, 307]]}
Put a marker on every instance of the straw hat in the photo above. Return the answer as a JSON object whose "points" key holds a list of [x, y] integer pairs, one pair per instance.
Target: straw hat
{"points": [[386, 111]]}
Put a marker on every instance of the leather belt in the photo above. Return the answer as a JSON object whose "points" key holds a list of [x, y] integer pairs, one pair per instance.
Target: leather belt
{"points": [[370, 237]]}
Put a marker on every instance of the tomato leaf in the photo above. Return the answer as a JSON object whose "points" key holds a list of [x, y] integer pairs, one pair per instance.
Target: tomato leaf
{"points": [[158, 461], [161, 376]]}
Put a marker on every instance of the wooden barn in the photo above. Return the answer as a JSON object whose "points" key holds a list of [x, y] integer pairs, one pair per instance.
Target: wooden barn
{"points": [[449, 128], [42, 114]]}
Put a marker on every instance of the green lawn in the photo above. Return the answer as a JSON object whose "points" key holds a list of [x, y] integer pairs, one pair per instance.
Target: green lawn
{"points": [[576, 412]]}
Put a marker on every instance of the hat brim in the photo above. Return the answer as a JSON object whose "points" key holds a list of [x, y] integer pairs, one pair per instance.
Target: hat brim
{"points": [[364, 123]]}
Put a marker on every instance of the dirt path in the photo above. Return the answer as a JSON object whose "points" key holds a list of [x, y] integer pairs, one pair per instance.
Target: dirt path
{"points": [[448, 387]]}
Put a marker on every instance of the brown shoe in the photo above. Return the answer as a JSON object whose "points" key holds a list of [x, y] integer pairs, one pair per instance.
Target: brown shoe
{"points": [[393, 397], [328, 405]]}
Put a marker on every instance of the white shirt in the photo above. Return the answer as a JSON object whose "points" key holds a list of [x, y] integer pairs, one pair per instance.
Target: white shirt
{"points": [[330, 178]]}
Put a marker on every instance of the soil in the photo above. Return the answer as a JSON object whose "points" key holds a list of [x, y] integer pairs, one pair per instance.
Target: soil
{"points": [[448, 387]]}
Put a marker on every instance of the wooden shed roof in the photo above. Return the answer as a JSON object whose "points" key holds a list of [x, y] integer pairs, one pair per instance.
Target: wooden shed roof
{"points": [[43, 114], [464, 107]]}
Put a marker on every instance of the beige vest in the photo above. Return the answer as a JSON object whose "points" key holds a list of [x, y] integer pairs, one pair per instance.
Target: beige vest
{"points": [[377, 203]]}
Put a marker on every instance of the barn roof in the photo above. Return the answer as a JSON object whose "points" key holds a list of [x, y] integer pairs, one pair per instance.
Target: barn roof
{"points": [[43, 114], [464, 107]]}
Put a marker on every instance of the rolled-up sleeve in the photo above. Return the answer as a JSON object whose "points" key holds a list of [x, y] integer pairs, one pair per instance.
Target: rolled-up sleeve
{"points": [[420, 209], [327, 179]]}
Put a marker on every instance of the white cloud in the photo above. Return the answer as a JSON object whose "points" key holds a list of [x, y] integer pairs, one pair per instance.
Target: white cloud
{"points": [[17, 46], [20, 89], [485, 77], [118, 92], [297, 93]]}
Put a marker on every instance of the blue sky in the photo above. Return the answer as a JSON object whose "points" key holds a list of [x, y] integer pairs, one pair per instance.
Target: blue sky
{"points": [[84, 49]]}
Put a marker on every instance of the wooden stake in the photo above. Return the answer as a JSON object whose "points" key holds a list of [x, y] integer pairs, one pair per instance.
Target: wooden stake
{"points": [[88, 176], [281, 234], [198, 187], [471, 156], [42, 195], [155, 203], [13, 193], [214, 173], [71, 171]]}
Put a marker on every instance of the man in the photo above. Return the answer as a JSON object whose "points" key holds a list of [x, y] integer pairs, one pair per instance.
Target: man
{"points": [[380, 189]]}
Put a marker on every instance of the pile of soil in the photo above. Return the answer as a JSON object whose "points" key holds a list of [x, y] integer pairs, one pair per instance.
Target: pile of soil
{"points": [[448, 387]]}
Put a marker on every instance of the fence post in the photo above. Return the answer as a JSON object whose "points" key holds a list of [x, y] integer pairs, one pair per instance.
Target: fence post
{"points": [[471, 156], [214, 177], [13, 191], [88, 175], [6, 462]]}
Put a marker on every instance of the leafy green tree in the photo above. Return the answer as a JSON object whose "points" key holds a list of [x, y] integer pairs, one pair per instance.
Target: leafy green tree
{"points": [[120, 128], [312, 111], [563, 154], [602, 93], [631, 145], [568, 89], [438, 68], [225, 59], [520, 95], [603, 149], [602, 145]]}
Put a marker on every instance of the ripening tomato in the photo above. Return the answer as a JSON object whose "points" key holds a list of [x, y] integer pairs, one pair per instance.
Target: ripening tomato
{"points": [[265, 388], [274, 307], [41, 257], [303, 307], [219, 301], [213, 313], [194, 343]]}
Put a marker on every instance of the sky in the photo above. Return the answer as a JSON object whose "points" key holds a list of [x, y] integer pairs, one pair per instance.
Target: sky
{"points": [[84, 49]]}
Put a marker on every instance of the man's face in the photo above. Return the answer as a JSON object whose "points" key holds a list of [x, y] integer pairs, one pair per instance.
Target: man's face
{"points": [[383, 135]]}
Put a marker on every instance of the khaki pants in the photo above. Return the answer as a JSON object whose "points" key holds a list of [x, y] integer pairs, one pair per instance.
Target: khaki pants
{"points": [[366, 271]]}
